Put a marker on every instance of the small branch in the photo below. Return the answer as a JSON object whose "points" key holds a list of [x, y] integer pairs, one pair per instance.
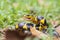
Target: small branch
{"points": [[57, 26]]}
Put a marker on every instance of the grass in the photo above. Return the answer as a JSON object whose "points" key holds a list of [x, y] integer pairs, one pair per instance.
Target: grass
{"points": [[12, 10]]}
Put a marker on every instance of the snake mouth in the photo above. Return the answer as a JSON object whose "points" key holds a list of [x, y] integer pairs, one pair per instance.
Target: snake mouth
{"points": [[27, 18]]}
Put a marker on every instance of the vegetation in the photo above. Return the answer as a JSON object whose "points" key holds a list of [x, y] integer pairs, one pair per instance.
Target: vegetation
{"points": [[12, 11]]}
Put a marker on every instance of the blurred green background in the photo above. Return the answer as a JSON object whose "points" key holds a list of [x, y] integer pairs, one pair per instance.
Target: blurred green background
{"points": [[11, 11]]}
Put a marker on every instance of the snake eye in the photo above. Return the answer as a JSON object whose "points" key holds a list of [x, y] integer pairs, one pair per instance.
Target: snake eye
{"points": [[27, 15]]}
